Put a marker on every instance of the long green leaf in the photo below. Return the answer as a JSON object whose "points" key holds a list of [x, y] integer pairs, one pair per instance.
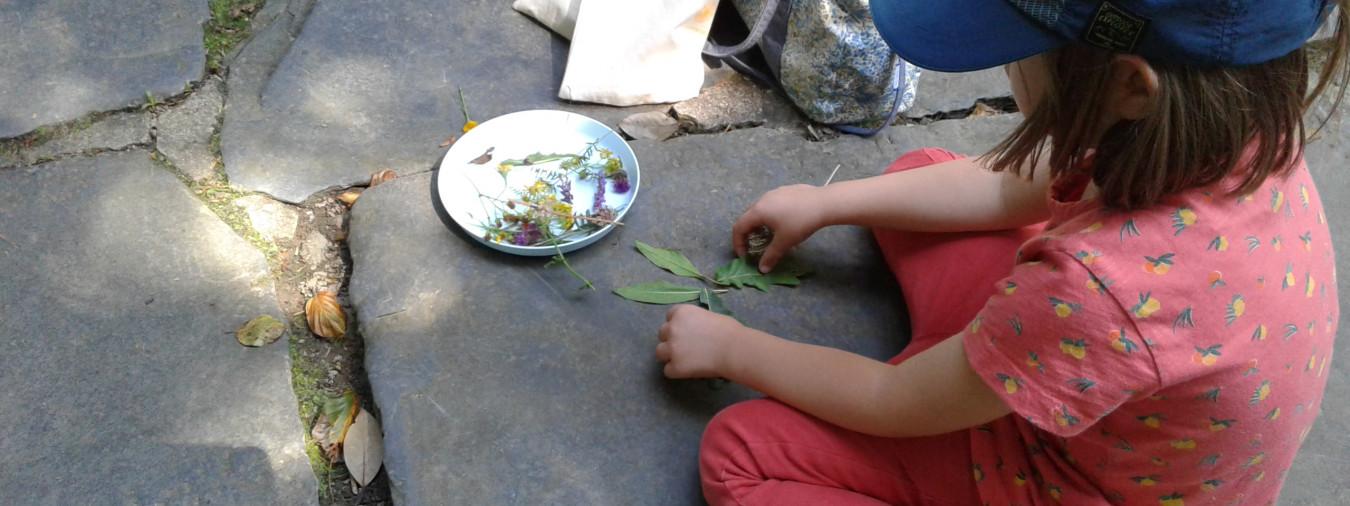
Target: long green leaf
{"points": [[659, 292], [713, 302], [740, 273], [669, 260]]}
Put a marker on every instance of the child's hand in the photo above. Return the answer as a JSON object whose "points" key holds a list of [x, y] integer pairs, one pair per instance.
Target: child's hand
{"points": [[793, 213], [693, 342]]}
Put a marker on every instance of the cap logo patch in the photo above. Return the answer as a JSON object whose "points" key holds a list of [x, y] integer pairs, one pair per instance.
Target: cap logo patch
{"points": [[1115, 28]]}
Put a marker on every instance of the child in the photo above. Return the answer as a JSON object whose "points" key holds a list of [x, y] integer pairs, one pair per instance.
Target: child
{"points": [[1131, 300]]}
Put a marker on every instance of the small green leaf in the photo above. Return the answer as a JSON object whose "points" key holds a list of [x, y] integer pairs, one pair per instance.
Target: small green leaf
{"points": [[740, 273], [336, 416], [260, 331], [659, 292], [713, 302], [669, 260]]}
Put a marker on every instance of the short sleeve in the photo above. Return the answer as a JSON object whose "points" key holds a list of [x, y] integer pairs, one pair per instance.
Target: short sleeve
{"points": [[1058, 347]]}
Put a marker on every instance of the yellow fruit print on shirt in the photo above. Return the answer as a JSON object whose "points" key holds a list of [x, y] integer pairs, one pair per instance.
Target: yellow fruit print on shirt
{"points": [[1121, 342], [1129, 229], [1255, 459], [1146, 481], [1260, 333], [1158, 461], [1182, 218], [1091, 228], [1277, 243], [1273, 414], [1160, 265], [1288, 277], [1020, 478], [1076, 348], [1219, 243], [1175, 499], [1215, 279], [1147, 306], [1063, 418], [1261, 392], [1097, 285], [1088, 258], [1236, 308], [1210, 485], [1184, 444], [1217, 425], [1206, 356], [1276, 200], [1034, 362], [1307, 241], [1303, 195], [1064, 309], [1009, 288], [1010, 384], [1152, 421], [979, 473], [1311, 287], [1055, 492]]}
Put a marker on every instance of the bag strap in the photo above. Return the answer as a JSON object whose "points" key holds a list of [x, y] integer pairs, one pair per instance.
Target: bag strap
{"points": [[895, 108], [715, 50]]}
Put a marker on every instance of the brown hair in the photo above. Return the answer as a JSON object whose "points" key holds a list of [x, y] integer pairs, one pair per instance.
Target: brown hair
{"points": [[1205, 118]]}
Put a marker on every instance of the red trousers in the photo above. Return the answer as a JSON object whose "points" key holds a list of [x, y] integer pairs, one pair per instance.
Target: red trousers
{"points": [[765, 452]]}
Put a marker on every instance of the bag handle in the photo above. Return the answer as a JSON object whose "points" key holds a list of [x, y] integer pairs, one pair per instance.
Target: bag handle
{"points": [[895, 108], [715, 50]]}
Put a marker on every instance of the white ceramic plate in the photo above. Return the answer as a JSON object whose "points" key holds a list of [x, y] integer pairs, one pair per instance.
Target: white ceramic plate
{"points": [[461, 183]]}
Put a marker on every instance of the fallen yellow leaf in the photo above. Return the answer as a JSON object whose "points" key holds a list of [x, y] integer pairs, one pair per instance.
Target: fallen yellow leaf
{"points": [[325, 316]]}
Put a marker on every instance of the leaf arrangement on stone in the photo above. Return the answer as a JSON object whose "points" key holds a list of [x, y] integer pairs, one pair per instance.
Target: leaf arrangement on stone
{"points": [[737, 274]]}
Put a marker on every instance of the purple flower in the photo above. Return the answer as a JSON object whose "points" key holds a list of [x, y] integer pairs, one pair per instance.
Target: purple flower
{"points": [[621, 184], [600, 184], [528, 234], [567, 191]]}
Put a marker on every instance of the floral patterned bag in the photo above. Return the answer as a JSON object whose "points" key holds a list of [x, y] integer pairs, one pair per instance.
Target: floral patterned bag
{"points": [[829, 60]]}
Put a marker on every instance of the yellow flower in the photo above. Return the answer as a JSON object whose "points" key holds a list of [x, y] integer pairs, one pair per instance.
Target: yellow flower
{"points": [[469, 125]]}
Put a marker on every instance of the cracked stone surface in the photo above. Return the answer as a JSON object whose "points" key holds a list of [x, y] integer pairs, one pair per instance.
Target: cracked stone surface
{"points": [[62, 59], [183, 133], [486, 402], [123, 383], [273, 220], [112, 132], [371, 84], [942, 91], [733, 102]]}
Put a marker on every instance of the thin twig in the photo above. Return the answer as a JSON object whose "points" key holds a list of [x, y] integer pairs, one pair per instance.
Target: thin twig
{"points": [[462, 106], [551, 212], [562, 259], [832, 173]]}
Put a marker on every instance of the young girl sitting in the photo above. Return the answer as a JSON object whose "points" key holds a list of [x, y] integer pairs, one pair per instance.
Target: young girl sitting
{"points": [[1131, 300]]}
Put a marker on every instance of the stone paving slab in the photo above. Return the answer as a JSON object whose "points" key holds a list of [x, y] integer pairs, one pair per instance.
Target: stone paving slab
{"points": [[370, 84], [499, 382], [122, 382], [62, 59], [942, 91]]}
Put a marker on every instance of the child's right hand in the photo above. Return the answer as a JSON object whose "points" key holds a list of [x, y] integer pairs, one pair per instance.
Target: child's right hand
{"points": [[793, 213]]}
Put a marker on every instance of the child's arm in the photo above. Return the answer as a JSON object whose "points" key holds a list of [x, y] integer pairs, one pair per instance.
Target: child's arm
{"points": [[955, 196], [932, 393]]}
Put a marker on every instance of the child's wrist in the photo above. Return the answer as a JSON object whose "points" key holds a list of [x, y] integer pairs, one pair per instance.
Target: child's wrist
{"points": [[739, 351]]}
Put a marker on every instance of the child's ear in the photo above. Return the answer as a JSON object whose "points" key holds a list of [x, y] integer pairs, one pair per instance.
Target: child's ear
{"points": [[1134, 87]]}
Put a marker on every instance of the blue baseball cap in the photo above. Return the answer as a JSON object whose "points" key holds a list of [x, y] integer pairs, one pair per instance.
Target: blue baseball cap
{"points": [[966, 35]]}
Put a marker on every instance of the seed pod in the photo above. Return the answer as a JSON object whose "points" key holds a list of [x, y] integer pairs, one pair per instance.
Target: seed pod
{"points": [[349, 197], [757, 242], [325, 316]]}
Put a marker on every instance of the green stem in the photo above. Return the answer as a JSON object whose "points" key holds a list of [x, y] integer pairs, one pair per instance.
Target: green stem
{"points": [[464, 108], [562, 259]]}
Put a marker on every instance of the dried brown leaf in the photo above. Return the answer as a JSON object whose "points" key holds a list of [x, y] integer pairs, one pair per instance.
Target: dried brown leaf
{"points": [[484, 158], [363, 448], [335, 420], [325, 316], [349, 197], [381, 177], [448, 141]]}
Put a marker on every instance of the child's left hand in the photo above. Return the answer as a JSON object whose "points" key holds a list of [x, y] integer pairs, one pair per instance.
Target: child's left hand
{"points": [[694, 342]]}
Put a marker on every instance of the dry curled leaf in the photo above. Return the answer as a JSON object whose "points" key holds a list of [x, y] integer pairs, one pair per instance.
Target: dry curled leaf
{"points": [[336, 415], [349, 197], [363, 448], [260, 331], [448, 141], [381, 177], [484, 158], [325, 316]]}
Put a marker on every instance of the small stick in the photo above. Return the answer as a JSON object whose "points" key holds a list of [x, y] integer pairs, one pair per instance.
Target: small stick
{"points": [[552, 212], [832, 173]]}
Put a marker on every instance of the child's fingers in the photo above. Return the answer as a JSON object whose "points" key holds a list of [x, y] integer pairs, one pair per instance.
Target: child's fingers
{"points": [[772, 255], [663, 352], [742, 228], [669, 370], [664, 334]]}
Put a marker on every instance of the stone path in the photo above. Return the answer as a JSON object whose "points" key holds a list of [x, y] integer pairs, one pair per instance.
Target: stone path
{"points": [[122, 277], [118, 296]]}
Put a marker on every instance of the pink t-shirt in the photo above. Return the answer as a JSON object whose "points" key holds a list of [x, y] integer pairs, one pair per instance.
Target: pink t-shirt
{"points": [[1171, 355]]}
